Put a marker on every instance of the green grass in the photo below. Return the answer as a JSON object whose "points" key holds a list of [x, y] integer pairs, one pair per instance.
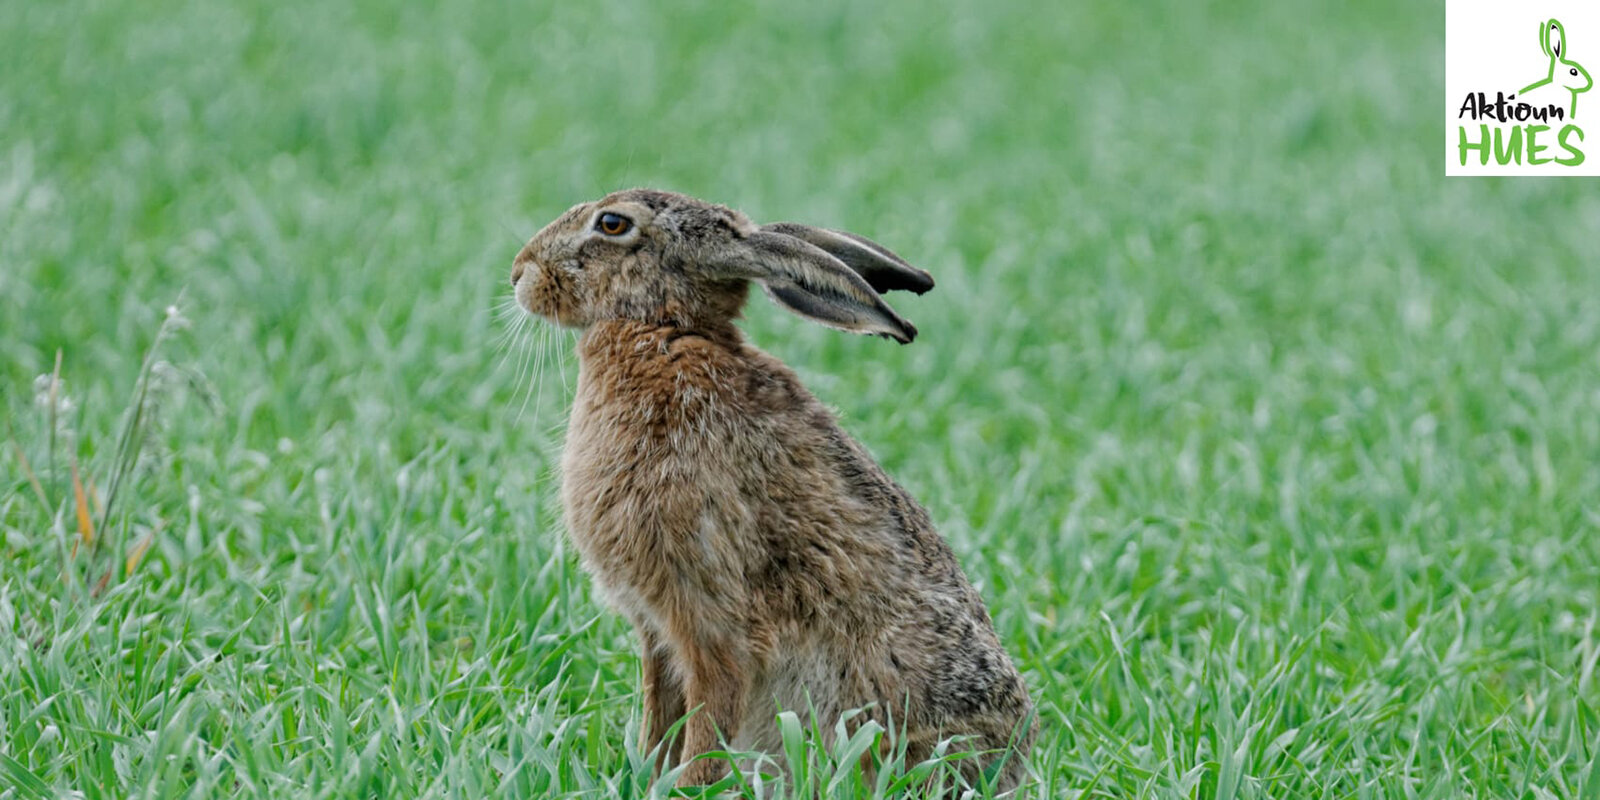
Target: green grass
{"points": [[1276, 455]]}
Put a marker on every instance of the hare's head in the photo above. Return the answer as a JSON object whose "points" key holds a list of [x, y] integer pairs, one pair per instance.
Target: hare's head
{"points": [[1564, 72], [666, 258]]}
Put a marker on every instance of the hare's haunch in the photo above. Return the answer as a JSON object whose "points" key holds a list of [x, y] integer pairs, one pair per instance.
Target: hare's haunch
{"points": [[764, 558]]}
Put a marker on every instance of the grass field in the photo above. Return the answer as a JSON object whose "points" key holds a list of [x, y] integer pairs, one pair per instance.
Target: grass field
{"points": [[1276, 455]]}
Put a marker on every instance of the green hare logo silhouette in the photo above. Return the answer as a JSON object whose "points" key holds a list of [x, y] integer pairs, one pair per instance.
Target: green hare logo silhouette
{"points": [[1563, 72]]}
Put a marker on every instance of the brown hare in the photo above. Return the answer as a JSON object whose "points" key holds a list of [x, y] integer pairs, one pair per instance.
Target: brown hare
{"points": [[764, 558]]}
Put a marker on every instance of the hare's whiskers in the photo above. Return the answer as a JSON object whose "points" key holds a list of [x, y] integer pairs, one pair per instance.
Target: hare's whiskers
{"points": [[507, 345], [524, 357], [563, 340], [544, 369], [561, 352], [509, 328], [537, 378]]}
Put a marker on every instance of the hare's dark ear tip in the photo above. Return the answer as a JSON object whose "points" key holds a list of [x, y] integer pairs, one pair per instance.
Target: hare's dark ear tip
{"points": [[906, 335], [908, 279]]}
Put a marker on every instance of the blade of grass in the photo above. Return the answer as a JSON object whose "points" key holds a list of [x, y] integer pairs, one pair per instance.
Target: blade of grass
{"points": [[26, 783], [33, 480], [129, 439], [80, 502], [55, 386], [139, 550]]}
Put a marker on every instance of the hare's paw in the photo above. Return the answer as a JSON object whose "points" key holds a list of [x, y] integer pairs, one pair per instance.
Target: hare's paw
{"points": [[703, 772]]}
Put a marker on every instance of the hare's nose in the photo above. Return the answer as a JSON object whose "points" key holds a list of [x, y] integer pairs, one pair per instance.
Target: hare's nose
{"points": [[516, 273]]}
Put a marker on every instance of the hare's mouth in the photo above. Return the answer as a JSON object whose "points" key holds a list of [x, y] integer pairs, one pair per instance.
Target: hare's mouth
{"points": [[525, 279], [540, 292]]}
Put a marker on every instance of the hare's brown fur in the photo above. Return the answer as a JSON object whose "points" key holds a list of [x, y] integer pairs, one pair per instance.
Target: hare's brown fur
{"points": [[764, 558]]}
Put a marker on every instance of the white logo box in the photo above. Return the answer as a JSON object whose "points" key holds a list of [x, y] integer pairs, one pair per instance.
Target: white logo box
{"points": [[1492, 48]]}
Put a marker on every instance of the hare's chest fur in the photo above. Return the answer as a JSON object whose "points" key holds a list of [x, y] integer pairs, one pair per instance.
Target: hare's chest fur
{"points": [[611, 494], [648, 479], [593, 476]]}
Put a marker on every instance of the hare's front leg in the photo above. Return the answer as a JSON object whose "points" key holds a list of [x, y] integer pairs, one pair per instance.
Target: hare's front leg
{"points": [[663, 696], [716, 690]]}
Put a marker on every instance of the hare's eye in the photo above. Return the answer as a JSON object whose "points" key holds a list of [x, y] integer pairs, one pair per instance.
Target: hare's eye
{"points": [[613, 224], [1573, 71]]}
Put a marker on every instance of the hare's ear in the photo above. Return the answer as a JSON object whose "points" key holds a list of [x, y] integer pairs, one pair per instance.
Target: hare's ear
{"points": [[1555, 39], [808, 281], [883, 270]]}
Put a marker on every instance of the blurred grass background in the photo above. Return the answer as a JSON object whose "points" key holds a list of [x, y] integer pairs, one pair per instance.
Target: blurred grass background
{"points": [[1273, 451]]}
